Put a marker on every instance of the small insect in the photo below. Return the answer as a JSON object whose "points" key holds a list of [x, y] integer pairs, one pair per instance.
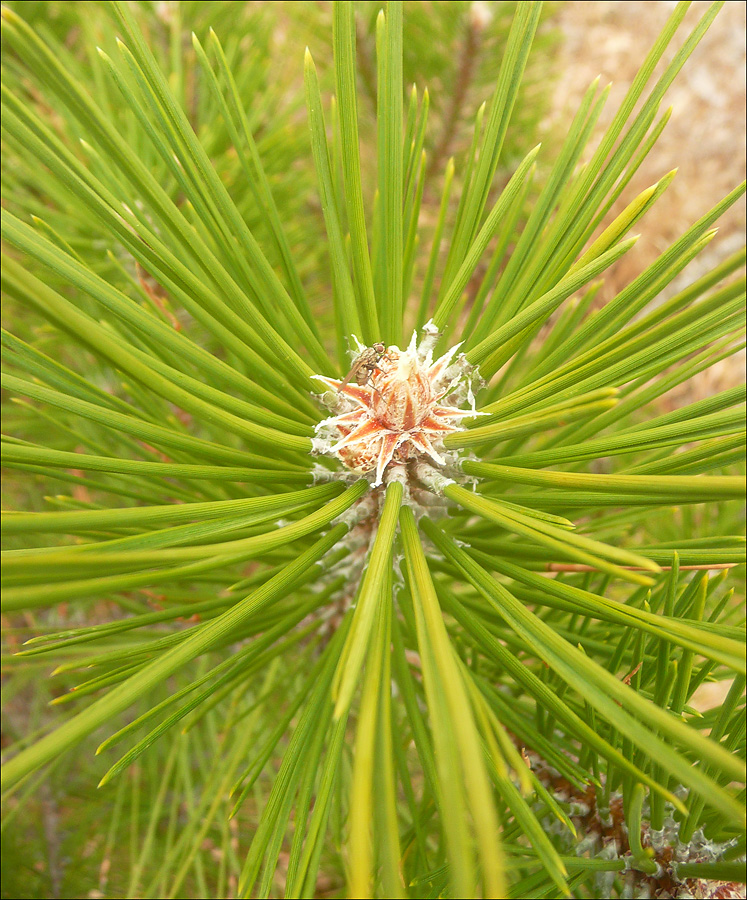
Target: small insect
{"points": [[364, 364]]}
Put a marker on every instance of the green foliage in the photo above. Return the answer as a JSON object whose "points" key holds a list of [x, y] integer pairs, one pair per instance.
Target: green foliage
{"points": [[284, 680]]}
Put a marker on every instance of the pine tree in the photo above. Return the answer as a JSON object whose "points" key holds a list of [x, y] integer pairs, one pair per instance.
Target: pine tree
{"points": [[346, 525]]}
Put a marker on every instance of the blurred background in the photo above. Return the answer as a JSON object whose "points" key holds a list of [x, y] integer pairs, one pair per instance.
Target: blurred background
{"points": [[705, 137]]}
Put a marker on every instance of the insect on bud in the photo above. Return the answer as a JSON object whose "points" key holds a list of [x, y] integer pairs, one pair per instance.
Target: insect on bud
{"points": [[394, 414]]}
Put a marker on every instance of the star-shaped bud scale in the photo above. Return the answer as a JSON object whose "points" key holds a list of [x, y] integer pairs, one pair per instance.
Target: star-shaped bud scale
{"points": [[399, 415]]}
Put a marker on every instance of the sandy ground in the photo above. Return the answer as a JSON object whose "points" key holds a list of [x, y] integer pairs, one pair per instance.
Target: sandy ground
{"points": [[705, 137]]}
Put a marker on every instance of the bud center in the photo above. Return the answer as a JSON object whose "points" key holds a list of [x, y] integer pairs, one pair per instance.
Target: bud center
{"points": [[403, 396]]}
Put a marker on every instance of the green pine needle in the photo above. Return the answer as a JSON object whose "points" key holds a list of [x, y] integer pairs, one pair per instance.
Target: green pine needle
{"points": [[468, 668]]}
